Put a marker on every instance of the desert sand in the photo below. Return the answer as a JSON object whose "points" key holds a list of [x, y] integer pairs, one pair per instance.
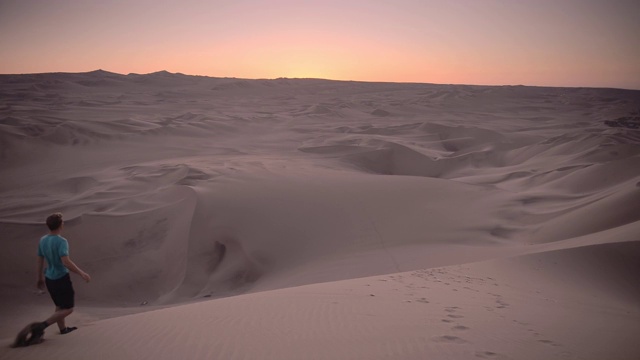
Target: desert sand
{"points": [[225, 218]]}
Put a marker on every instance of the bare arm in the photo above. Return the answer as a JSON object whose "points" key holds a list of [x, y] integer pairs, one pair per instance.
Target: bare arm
{"points": [[73, 267], [40, 283]]}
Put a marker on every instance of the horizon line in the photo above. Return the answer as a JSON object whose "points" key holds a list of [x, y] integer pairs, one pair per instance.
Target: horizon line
{"points": [[324, 79]]}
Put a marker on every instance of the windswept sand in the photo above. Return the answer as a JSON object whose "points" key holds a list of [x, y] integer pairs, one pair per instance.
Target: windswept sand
{"points": [[313, 219]]}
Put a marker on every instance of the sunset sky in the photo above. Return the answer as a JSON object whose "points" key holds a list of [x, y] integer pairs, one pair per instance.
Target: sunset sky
{"points": [[535, 42]]}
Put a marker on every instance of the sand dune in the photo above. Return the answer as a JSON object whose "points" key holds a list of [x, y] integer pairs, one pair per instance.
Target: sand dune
{"points": [[306, 218]]}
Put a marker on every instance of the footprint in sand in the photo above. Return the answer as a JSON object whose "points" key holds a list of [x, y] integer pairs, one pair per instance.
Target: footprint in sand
{"points": [[450, 339], [499, 300], [460, 328], [549, 342], [501, 304], [486, 354]]}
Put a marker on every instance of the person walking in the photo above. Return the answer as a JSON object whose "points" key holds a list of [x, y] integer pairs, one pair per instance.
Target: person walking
{"points": [[54, 249]]}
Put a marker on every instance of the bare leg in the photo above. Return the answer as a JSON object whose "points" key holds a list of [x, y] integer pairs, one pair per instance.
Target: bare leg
{"points": [[58, 317], [61, 323]]}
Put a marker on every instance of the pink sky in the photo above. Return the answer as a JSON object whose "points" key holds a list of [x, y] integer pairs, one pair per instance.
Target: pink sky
{"points": [[536, 42]]}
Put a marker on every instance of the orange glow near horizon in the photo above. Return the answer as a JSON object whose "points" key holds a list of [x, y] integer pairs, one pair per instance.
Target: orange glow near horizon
{"points": [[572, 43]]}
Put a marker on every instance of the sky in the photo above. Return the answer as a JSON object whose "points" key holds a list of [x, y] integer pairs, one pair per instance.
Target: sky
{"points": [[593, 43]]}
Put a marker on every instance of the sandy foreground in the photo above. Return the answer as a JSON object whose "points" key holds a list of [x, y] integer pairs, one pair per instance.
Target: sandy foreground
{"points": [[313, 219]]}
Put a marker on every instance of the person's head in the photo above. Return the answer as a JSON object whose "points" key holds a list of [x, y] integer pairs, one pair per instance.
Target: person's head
{"points": [[54, 221]]}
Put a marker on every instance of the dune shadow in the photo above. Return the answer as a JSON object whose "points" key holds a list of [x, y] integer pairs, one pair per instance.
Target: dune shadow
{"points": [[217, 256]]}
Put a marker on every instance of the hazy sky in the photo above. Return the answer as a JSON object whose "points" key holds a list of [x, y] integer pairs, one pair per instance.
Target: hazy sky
{"points": [[530, 42]]}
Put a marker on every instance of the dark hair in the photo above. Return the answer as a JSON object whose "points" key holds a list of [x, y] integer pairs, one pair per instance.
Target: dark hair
{"points": [[54, 221]]}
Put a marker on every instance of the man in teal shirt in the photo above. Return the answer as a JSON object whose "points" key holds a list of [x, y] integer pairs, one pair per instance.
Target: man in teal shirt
{"points": [[55, 250]]}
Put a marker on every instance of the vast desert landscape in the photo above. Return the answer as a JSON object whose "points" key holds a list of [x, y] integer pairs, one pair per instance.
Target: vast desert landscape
{"points": [[225, 218]]}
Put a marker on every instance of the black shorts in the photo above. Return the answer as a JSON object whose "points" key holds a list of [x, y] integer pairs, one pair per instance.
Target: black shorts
{"points": [[61, 291]]}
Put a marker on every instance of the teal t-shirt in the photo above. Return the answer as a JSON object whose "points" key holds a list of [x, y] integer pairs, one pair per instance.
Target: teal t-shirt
{"points": [[52, 248]]}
